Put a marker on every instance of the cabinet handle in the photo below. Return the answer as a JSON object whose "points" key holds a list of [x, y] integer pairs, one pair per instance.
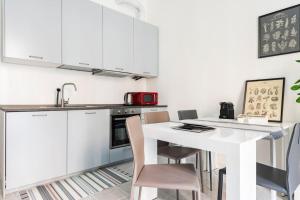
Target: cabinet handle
{"points": [[153, 110], [39, 115], [81, 63], [90, 113], [119, 68], [36, 57], [146, 73]]}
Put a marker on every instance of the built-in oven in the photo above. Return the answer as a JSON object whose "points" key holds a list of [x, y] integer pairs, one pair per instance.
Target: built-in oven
{"points": [[120, 148]]}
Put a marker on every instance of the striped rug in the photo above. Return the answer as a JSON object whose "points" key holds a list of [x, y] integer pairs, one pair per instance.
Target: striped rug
{"points": [[78, 187]]}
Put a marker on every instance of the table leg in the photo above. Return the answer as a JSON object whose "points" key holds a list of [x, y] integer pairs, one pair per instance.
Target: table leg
{"points": [[241, 172], [273, 162], [150, 158]]}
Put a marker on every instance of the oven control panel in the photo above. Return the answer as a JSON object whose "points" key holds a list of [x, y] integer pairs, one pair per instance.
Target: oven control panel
{"points": [[126, 111]]}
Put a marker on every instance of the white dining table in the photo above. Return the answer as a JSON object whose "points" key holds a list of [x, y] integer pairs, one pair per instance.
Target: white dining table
{"points": [[237, 142]]}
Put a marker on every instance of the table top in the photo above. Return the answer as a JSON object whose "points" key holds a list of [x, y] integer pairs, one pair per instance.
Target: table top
{"points": [[214, 140], [275, 130], [231, 123]]}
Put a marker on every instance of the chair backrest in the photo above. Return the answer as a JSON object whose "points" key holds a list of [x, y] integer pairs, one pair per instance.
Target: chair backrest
{"points": [[136, 136], [293, 161], [187, 114], [157, 117]]}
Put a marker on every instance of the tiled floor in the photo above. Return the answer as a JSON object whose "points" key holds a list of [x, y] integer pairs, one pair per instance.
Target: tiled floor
{"points": [[122, 192]]}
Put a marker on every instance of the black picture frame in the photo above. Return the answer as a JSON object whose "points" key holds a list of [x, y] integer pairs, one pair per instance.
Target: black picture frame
{"points": [[264, 80], [260, 55]]}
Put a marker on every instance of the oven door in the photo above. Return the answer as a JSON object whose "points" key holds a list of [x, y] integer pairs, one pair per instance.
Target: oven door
{"points": [[119, 136]]}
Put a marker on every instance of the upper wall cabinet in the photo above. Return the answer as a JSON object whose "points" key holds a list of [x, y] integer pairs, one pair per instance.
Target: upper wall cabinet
{"points": [[32, 32], [81, 34], [145, 49], [117, 41]]}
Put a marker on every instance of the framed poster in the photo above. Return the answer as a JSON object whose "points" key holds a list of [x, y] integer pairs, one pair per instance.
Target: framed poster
{"points": [[279, 32], [265, 97]]}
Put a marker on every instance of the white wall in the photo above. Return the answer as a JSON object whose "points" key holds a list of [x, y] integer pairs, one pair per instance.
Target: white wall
{"points": [[21, 84], [207, 51]]}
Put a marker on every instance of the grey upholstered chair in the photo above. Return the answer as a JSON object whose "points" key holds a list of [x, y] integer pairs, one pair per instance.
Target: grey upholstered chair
{"points": [[176, 153], [192, 114], [285, 182], [165, 176]]}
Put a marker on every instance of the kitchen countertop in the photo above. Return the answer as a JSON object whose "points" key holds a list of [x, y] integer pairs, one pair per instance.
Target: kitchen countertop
{"points": [[33, 108]]}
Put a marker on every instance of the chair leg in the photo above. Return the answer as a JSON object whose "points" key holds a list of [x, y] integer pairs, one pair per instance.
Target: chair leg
{"points": [[177, 191], [168, 160], [193, 195], [140, 193], [177, 194], [196, 160], [210, 170], [200, 170], [291, 197], [198, 195], [220, 186], [132, 193]]}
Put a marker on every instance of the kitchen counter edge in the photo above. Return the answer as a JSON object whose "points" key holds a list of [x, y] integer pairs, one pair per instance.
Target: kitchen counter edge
{"points": [[38, 108]]}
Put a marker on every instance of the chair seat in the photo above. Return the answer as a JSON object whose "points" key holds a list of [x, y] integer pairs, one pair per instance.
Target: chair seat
{"points": [[268, 177], [177, 152], [174, 176], [271, 178]]}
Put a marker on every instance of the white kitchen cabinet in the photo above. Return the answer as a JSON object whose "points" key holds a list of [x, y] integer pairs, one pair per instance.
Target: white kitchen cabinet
{"points": [[88, 139], [117, 41], [35, 147], [145, 49], [32, 32], [81, 34]]}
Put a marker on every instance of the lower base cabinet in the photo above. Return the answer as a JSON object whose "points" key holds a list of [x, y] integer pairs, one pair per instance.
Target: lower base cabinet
{"points": [[35, 147], [120, 154], [88, 139]]}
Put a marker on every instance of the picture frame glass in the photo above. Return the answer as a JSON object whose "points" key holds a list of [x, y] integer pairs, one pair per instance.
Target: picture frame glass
{"points": [[279, 32], [265, 97]]}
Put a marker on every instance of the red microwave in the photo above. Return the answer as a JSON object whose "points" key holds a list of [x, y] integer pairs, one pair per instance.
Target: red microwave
{"points": [[141, 98]]}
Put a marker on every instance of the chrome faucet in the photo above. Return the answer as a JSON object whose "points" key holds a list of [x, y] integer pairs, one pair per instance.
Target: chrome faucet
{"points": [[63, 101]]}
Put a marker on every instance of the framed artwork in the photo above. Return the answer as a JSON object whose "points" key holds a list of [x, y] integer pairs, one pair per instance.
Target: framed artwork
{"points": [[265, 97], [279, 32]]}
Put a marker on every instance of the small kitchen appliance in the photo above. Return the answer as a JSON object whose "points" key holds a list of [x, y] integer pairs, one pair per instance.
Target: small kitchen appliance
{"points": [[226, 111], [141, 98]]}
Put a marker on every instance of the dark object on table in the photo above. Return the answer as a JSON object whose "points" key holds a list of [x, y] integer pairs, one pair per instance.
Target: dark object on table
{"points": [[57, 97], [282, 181], [192, 114], [194, 128], [226, 111]]}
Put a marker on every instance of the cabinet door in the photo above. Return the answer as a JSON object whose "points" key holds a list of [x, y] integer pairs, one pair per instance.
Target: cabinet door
{"points": [[35, 147], [32, 30], [117, 41], [88, 139], [82, 33], [145, 49]]}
